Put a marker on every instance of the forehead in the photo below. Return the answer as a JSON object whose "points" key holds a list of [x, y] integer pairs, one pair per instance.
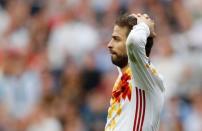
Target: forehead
{"points": [[119, 31]]}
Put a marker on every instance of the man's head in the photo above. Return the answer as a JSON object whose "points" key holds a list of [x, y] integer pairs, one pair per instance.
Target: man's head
{"points": [[117, 45]]}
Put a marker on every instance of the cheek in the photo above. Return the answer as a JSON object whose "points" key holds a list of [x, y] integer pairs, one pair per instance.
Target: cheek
{"points": [[122, 49]]}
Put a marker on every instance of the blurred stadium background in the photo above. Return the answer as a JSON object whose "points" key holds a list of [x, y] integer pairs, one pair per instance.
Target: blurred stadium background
{"points": [[56, 73]]}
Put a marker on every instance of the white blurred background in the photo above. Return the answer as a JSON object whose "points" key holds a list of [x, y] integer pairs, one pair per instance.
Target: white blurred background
{"points": [[56, 73]]}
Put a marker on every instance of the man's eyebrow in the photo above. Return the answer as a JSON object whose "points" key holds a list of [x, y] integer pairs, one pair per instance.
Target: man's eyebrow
{"points": [[113, 35], [116, 37]]}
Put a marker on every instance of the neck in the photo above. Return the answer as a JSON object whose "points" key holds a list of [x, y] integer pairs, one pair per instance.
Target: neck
{"points": [[124, 68]]}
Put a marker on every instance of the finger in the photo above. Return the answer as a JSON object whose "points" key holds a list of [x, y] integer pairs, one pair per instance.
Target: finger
{"points": [[154, 34], [138, 15], [135, 15], [146, 16]]}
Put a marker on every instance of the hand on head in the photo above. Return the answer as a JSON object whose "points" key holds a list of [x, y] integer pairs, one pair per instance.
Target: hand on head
{"points": [[147, 20]]}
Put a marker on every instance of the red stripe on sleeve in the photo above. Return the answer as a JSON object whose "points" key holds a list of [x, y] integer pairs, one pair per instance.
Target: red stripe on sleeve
{"points": [[136, 109], [140, 110], [144, 106]]}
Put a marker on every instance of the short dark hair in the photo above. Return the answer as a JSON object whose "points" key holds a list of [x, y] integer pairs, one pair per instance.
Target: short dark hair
{"points": [[129, 21]]}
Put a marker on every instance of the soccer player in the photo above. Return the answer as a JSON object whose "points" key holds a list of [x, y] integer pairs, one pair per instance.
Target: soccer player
{"points": [[138, 93]]}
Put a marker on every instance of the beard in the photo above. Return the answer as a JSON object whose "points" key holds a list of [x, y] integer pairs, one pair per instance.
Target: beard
{"points": [[119, 60]]}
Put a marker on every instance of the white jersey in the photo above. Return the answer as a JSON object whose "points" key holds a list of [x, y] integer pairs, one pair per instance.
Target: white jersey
{"points": [[138, 94]]}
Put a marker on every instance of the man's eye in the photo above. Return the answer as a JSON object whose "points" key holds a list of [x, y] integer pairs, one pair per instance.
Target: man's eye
{"points": [[116, 38]]}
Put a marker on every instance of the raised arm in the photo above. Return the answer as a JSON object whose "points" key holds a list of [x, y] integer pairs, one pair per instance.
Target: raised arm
{"points": [[144, 74]]}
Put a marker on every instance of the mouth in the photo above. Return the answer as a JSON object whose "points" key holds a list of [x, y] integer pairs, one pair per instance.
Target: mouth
{"points": [[112, 52]]}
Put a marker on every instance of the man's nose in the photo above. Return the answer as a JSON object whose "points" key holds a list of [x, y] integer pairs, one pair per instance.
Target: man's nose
{"points": [[109, 45]]}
